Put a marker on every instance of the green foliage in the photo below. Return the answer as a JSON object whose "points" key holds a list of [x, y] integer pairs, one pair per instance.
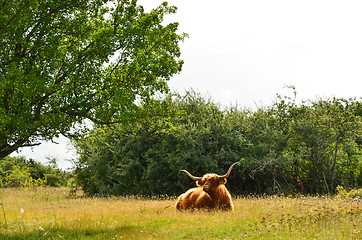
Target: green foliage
{"points": [[146, 158], [19, 172], [311, 147], [284, 148], [351, 194], [62, 62]]}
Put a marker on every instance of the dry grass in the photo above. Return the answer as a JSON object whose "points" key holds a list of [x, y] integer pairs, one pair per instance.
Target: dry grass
{"points": [[47, 213]]}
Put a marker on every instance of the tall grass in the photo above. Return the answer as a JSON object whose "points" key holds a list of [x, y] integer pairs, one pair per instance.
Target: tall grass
{"points": [[47, 213]]}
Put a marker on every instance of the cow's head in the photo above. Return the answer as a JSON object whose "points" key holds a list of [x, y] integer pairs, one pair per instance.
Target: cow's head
{"points": [[209, 182]]}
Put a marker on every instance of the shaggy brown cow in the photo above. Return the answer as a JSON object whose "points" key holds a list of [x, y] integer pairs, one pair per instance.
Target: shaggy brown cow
{"points": [[211, 193]]}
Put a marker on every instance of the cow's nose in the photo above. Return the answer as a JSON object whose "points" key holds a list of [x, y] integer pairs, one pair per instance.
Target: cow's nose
{"points": [[206, 188]]}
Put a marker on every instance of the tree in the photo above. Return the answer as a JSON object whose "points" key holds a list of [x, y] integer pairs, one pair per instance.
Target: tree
{"points": [[62, 62], [321, 148], [343, 127]]}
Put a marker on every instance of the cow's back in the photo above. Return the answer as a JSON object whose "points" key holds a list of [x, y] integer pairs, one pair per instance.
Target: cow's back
{"points": [[194, 198]]}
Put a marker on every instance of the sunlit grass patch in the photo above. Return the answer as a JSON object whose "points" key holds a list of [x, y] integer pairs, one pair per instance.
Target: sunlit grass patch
{"points": [[48, 213]]}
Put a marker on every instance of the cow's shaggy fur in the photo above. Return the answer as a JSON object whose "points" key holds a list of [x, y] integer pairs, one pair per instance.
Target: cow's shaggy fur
{"points": [[216, 197], [211, 193]]}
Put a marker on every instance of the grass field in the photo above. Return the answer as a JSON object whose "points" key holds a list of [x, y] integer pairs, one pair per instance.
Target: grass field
{"points": [[47, 213]]}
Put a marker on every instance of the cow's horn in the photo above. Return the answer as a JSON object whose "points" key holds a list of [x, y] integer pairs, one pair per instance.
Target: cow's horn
{"points": [[191, 176], [229, 171]]}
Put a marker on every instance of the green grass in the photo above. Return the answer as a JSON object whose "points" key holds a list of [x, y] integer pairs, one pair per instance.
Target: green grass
{"points": [[47, 213]]}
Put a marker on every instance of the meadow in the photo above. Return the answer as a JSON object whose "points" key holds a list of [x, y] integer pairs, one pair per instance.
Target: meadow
{"points": [[49, 213]]}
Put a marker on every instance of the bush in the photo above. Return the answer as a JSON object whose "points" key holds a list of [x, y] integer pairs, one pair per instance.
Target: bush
{"points": [[20, 172], [349, 194], [285, 148]]}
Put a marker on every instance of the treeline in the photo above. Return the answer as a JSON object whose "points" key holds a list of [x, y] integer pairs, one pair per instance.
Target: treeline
{"points": [[309, 148], [22, 172]]}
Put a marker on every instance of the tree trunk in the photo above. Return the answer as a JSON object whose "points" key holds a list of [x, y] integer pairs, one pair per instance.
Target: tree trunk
{"points": [[5, 151], [333, 169]]}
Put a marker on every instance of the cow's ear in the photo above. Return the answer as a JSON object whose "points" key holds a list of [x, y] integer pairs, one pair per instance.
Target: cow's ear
{"points": [[200, 182], [222, 180]]}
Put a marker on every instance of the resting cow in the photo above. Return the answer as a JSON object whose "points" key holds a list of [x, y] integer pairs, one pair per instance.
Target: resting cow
{"points": [[211, 193]]}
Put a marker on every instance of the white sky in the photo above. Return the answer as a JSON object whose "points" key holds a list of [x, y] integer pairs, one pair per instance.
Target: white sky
{"points": [[245, 52]]}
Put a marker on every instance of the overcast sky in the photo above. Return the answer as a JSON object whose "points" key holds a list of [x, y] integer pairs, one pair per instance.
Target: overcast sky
{"points": [[244, 52]]}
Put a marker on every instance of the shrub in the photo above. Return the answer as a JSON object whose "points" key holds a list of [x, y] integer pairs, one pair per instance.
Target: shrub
{"points": [[349, 194]]}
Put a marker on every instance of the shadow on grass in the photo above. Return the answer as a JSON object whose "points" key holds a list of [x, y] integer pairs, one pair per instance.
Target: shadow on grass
{"points": [[125, 232]]}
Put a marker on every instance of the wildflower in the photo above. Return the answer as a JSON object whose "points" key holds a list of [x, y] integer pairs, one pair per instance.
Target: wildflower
{"points": [[21, 210]]}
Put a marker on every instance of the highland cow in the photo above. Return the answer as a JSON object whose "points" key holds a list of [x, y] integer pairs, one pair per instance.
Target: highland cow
{"points": [[211, 193]]}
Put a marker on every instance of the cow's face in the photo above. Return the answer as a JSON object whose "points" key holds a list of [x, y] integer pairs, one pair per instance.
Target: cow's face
{"points": [[209, 182]]}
